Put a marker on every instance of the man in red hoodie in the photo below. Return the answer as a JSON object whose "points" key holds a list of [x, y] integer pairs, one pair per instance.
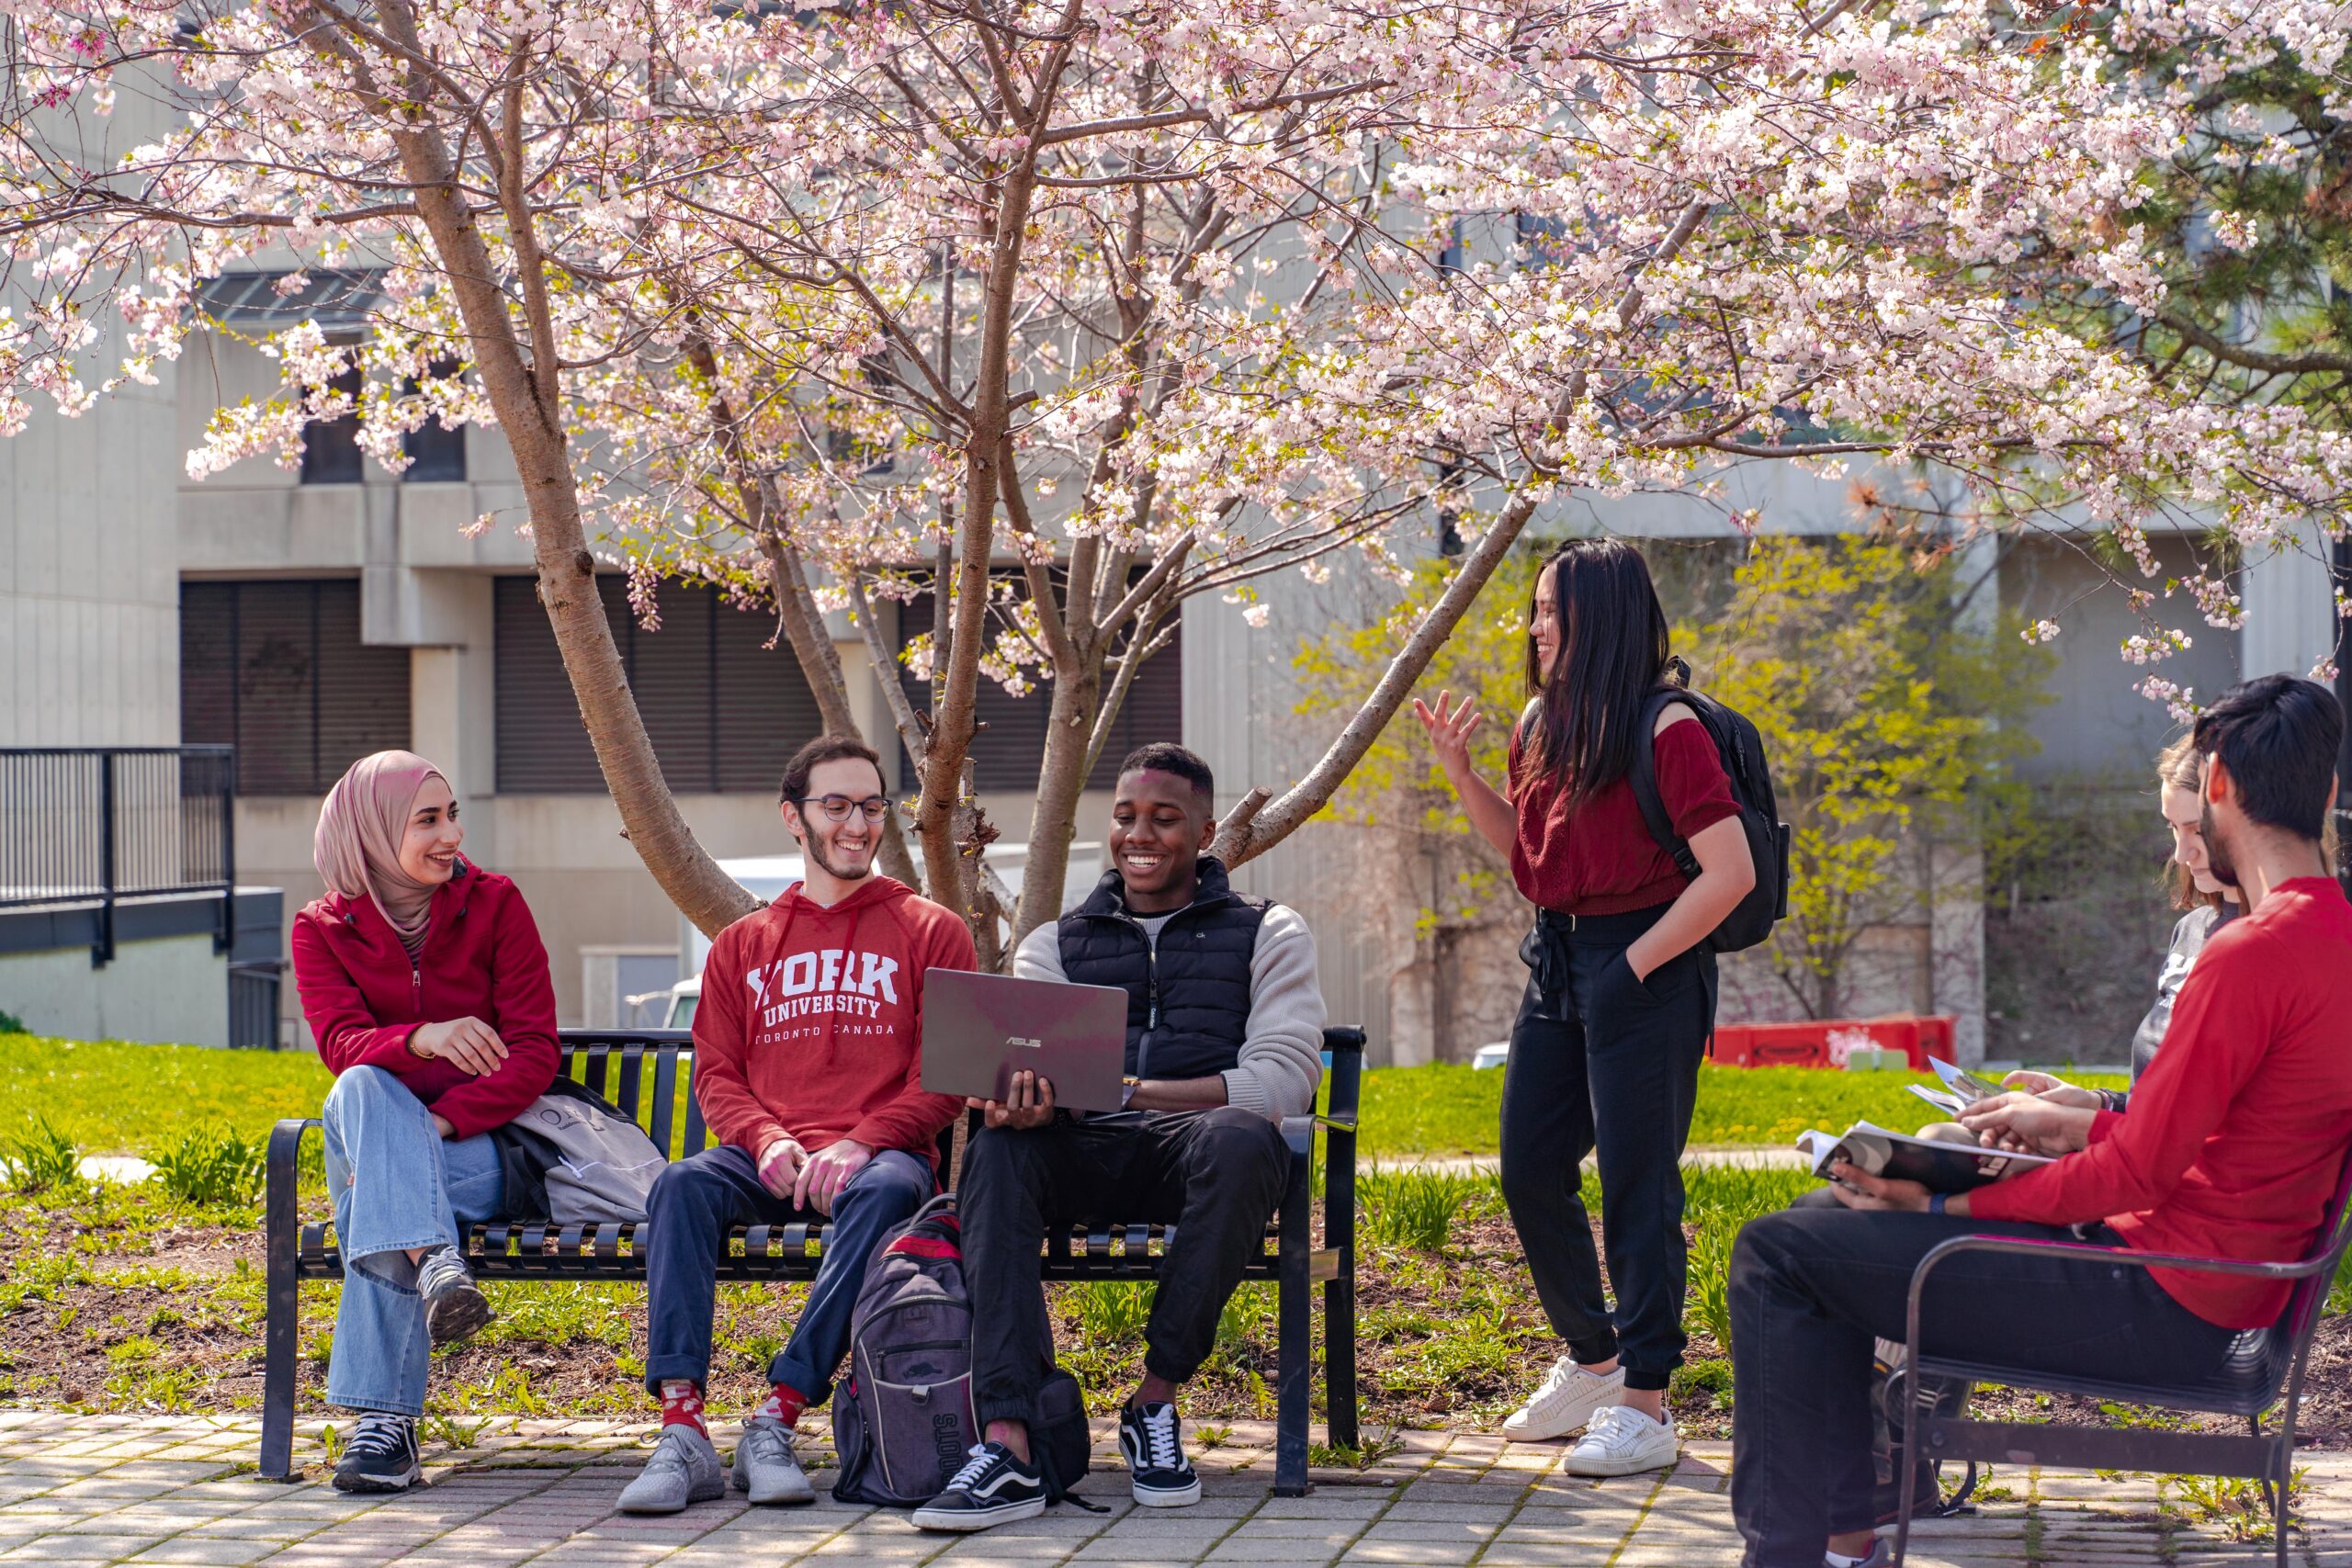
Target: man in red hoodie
{"points": [[806, 1052], [2234, 1147]]}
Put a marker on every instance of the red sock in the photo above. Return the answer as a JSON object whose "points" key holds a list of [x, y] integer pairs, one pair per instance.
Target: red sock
{"points": [[785, 1403], [682, 1404]]}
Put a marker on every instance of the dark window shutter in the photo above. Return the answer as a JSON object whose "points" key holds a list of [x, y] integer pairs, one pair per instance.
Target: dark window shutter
{"points": [[671, 672], [279, 669], [363, 690], [1006, 755], [276, 689], [723, 712], [207, 664], [765, 710], [543, 748]]}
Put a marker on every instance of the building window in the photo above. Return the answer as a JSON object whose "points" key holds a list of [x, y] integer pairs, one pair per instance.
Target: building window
{"points": [[436, 452], [1005, 756], [331, 446], [724, 711], [278, 669]]}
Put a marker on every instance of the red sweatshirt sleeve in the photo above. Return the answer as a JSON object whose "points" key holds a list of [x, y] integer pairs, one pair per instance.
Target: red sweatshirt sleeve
{"points": [[2219, 1027], [912, 1120], [340, 1019], [522, 1000], [722, 1082]]}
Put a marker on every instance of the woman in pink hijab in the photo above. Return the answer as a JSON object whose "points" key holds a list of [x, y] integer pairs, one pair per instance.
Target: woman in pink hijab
{"points": [[426, 984]]}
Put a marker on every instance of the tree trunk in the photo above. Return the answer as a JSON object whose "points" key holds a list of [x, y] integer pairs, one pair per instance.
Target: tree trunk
{"points": [[534, 433], [1257, 823], [1061, 778]]}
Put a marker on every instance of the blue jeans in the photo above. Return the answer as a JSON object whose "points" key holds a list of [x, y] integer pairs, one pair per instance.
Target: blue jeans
{"points": [[699, 1200], [397, 1186]]}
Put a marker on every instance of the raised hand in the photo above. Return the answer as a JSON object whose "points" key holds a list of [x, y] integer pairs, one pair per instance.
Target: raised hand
{"points": [[1450, 729]]}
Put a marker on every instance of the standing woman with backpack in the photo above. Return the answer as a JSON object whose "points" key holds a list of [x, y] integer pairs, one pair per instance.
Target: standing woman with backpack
{"points": [[1605, 1052]]}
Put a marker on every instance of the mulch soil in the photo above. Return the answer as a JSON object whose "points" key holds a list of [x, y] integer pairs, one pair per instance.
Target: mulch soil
{"points": [[1418, 1365]]}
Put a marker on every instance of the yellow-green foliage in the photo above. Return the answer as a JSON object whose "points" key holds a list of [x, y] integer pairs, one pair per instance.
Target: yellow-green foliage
{"points": [[1887, 719]]}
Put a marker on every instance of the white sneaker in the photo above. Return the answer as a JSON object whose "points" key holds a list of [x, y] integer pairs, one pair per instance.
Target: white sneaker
{"points": [[1564, 1403], [1621, 1440]]}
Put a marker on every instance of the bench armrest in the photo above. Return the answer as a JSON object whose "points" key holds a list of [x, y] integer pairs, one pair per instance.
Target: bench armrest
{"points": [[2114, 1257]]}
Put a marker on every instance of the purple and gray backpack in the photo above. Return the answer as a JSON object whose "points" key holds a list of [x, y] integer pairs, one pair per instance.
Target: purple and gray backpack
{"points": [[906, 1420]]}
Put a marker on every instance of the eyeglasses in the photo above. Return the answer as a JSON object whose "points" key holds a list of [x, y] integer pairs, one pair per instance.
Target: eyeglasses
{"points": [[837, 808]]}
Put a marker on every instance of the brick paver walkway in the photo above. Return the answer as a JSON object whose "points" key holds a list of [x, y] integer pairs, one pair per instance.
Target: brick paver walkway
{"points": [[77, 1490]]}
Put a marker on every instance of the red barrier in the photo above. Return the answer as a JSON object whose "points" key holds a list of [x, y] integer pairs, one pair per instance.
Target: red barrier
{"points": [[1808, 1044]]}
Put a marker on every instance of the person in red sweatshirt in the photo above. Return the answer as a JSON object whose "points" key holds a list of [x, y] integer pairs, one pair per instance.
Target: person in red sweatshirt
{"points": [[2234, 1147], [427, 987], [807, 1054]]}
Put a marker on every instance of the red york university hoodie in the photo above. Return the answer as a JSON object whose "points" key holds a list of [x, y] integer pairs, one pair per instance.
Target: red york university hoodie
{"points": [[810, 1021]]}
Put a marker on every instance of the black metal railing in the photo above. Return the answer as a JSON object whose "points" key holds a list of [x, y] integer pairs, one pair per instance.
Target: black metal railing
{"points": [[96, 825], [253, 1002]]}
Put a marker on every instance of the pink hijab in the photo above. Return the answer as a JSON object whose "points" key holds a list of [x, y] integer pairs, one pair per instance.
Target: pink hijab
{"points": [[358, 850]]}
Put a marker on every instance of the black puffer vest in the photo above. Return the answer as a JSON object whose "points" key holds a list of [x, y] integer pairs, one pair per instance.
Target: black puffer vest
{"points": [[1188, 1002]]}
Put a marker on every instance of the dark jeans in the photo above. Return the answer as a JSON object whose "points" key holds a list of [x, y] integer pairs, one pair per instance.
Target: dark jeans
{"points": [[1813, 1286], [699, 1200], [1602, 1061], [1215, 1176]]}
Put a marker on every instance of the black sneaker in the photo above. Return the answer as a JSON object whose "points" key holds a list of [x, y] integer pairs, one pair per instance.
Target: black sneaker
{"points": [[993, 1488], [1154, 1447], [380, 1457], [455, 1307]]}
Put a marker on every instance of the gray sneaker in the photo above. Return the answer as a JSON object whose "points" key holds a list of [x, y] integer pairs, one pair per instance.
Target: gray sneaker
{"points": [[684, 1467], [455, 1307], [765, 1465]]}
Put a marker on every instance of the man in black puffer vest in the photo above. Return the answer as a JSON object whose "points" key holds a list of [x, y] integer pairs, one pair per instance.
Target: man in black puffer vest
{"points": [[1225, 1038]]}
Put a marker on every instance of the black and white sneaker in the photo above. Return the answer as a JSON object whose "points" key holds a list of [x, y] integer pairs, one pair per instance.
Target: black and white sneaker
{"points": [[993, 1488], [455, 1307], [380, 1456], [1160, 1475]]}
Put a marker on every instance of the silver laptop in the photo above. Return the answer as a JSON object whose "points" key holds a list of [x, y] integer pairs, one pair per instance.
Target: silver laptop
{"points": [[979, 1030]]}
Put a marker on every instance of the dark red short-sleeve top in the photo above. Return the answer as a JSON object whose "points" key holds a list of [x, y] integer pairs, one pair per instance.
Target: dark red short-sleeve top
{"points": [[1602, 861]]}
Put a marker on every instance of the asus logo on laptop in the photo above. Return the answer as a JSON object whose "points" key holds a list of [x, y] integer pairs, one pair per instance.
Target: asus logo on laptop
{"points": [[1017, 1040]]}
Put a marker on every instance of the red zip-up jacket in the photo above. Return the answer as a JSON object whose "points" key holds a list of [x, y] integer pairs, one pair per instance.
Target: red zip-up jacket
{"points": [[2236, 1137], [811, 1022], [483, 959]]}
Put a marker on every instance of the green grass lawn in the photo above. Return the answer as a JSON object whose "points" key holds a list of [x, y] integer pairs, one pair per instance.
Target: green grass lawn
{"points": [[113, 1097], [1444, 1110]]}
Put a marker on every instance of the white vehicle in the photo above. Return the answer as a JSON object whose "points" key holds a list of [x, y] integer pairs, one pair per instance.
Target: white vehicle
{"points": [[768, 876]]}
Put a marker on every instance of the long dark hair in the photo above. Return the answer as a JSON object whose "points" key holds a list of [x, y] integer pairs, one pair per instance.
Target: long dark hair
{"points": [[1613, 654]]}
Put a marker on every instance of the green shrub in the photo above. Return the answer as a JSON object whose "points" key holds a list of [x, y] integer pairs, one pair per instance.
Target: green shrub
{"points": [[1418, 1208], [11, 1024], [45, 1160], [216, 1167], [1110, 1312]]}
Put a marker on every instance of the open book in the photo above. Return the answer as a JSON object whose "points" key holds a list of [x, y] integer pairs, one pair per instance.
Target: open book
{"points": [[1940, 1165]]}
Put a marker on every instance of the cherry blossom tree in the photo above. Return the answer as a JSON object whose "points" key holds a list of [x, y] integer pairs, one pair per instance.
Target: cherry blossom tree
{"points": [[1140, 298]]}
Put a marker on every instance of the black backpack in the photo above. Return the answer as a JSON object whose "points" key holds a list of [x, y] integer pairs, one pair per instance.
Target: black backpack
{"points": [[1742, 750], [903, 1423], [1890, 1384]]}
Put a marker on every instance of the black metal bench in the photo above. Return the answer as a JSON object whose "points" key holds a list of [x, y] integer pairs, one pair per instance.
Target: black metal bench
{"points": [[2266, 1365], [618, 1064]]}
